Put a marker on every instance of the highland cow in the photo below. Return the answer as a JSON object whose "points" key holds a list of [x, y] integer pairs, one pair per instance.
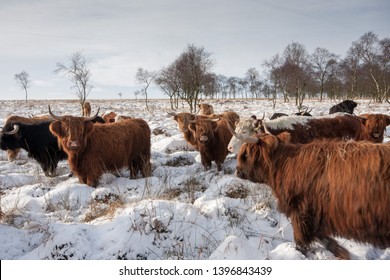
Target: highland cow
{"points": [[326, 188], [93, 149], [304, 129], [212, 137], [347, 106]]}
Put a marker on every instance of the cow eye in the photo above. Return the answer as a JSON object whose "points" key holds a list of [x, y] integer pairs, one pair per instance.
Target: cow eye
{"points": [[243, 156], [244, 131]]}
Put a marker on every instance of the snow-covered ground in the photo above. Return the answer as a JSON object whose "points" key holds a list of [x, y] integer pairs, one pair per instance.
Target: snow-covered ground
{"points": [[180, 212]]}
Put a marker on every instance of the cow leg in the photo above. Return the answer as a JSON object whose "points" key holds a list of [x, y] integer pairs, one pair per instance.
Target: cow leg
{"points": [[206, 163], [92, 181], [133, 168], [331, 245], [303, 235]]}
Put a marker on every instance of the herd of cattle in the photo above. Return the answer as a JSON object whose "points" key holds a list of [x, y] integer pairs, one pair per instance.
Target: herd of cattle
{"points": [[330, 174]]}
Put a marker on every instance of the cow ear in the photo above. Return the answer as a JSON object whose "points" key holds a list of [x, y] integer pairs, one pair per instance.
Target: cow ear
{"points": [[56, 129], [88, 128], [285, 137]]}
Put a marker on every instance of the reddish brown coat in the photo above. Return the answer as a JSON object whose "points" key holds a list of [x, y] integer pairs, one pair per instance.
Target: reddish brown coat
{"points": [[93, 149], [326, 188], [206, 109], [86, 109], [212, 138]]}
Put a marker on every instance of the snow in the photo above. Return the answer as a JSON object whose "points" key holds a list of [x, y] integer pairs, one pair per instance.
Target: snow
{"points": [[181, 212]]}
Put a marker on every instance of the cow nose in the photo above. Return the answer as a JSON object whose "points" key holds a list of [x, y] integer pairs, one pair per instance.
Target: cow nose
{"points": [[73, 144], [230, 148]]}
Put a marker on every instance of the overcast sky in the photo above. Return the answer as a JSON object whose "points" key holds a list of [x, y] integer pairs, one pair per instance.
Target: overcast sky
{"points": [[118, 36]]}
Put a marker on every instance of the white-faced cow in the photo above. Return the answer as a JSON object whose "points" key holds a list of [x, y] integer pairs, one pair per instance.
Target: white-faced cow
{"points": [[306, 129], [326, 188], [93, 149]]}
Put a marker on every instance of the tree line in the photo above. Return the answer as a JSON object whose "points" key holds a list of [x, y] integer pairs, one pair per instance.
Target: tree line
{"points": [[292, 75]]}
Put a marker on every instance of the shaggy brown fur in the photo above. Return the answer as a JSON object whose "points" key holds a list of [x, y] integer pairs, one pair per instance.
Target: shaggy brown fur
{"points": [[212, 138], [183, 120], [342, 127], [86, 109], [12, 154], [232, 117], [109, 117], [93, 149], [327, 188], [375, 126], [206, 109]]}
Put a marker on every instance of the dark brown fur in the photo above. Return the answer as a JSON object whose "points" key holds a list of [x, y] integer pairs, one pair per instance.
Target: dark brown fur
{"points": [[93, 149], [212, 139], [326, 188], [342, 127]]}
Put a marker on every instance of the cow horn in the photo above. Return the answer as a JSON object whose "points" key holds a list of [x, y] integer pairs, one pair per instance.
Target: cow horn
{"points": [[266, 129], [54, 116], [240, 137], [173, 114], [14, 131], [93, 117]]}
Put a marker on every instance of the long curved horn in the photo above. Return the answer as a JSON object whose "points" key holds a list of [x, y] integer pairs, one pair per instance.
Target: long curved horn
{"points": [[248, 139], [14, 131], [54, 116], [93, 117], [173, 114], [266, 129]]}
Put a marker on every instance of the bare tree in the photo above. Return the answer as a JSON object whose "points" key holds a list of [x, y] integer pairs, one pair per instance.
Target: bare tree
{"points": [[145, 78], [296, 67], [23, 80], [193, 68], [78, 73], [375, 56], [322, 61], [169, 83], [273, 73], [254, 82]]}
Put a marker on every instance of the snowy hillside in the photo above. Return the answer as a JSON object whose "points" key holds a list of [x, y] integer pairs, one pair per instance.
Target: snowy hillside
{"points": [[180, 212]]}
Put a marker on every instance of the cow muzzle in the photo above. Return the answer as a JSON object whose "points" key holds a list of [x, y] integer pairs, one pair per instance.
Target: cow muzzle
{"points": [[203, 139], [376, 135], [73, 145]]}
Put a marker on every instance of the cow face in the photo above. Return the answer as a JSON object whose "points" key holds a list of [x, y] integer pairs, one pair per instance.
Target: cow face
{"points": [[72, 132], [254, 160], [183, 120], [375, 125], [204, 130], [206, 109], [10, 136], [245, 128]]}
